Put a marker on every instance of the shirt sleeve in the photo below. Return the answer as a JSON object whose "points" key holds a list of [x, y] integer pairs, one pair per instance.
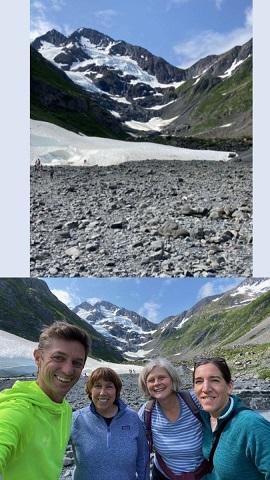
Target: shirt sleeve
{"points": [[257, 449], [143, 455], [14, 419]]}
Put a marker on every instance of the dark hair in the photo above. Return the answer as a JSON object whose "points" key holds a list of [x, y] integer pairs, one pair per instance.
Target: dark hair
{"points": [[63, 331], [219, 362], [103, 373]]}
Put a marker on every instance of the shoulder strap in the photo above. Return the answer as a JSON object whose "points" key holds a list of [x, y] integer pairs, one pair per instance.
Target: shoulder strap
{"points": [[185, 395], [147, 420]]}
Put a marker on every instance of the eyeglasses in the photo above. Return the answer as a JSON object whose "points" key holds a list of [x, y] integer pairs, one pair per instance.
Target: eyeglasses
{"points": [[203, 360]]}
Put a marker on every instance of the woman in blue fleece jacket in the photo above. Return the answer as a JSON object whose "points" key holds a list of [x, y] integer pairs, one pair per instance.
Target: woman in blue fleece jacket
{"points": [[243, 449], [108, 438]]}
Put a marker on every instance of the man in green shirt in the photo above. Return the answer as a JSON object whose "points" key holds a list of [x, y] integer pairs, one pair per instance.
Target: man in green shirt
{"points": [[35, 420]]}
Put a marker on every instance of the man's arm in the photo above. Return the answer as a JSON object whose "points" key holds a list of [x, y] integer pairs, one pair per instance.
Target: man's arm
{"points": [[13, 425]]}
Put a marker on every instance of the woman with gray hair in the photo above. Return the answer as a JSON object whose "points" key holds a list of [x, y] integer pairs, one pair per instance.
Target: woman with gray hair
{"points": [[172, 422]]}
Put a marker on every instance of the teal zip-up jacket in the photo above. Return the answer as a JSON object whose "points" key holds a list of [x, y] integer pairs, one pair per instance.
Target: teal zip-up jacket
{"points": [[243, 450], [34, 432], [118, 451]]}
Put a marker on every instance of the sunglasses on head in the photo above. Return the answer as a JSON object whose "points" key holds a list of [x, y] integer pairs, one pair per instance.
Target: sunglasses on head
{"points": [[203, 360]]}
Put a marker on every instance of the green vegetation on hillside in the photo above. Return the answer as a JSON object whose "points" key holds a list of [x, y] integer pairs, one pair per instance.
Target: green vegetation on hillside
{"points": [[217, 328], [56, 99], [26, 305]]}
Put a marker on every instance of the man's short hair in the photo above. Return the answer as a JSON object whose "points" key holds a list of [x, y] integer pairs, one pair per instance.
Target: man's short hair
{"points": [[63, 331]]}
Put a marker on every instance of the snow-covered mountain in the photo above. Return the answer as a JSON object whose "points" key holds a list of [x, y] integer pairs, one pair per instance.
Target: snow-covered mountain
{"points": [[138, 338], [142, 90], [124, 329]]}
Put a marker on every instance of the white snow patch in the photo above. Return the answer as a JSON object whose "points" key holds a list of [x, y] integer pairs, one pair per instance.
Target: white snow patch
{"points": [[261, 286], [159, 107], [182, 323], [115, 114], [139, 353], [226, 125], [155, 123], [229, 71], [56, 146], [16, 358], [118, 99], [196, 81]]}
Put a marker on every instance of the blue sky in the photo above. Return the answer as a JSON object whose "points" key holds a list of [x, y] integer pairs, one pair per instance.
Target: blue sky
{"points": [[154, 298], [181, 31]]}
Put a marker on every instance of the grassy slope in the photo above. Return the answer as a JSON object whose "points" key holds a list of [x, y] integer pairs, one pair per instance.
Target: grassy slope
{"points": [[211, 330], [219, 102], [26, 307], [90, 119]]}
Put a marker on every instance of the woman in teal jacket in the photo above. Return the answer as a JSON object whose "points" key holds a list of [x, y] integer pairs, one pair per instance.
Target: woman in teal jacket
{"points": [[243, 449]]}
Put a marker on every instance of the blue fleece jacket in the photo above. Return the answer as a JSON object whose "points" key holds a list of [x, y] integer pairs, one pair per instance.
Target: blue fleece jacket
{"points": [[115, 452], [243, 450]]}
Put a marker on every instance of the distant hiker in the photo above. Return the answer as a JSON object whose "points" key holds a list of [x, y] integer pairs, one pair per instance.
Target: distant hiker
{"points": [[35, 420], [37, 164], [51, 172], [243, 436], [173, 423], [108, 439]]}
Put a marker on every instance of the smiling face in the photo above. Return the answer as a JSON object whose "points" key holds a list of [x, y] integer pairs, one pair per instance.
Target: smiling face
{"points": [[59, 367], [211, 389], [103, 394], [159, 383]]}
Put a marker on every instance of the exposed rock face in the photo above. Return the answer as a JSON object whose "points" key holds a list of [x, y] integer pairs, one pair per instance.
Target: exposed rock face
{"points": [[123, 328], [138, 86]]}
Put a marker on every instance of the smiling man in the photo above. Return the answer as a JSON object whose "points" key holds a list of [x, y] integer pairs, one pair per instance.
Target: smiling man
{"points": [[35, 420]]}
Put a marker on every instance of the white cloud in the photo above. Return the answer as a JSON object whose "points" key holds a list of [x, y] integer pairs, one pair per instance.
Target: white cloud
{"points": [[106, 17], [39, 6], [66, 297], [39, 24], [150, 310], [218, 4], [171, 3], [214, 288], [58, 4], [94, 300], [210, 42]]}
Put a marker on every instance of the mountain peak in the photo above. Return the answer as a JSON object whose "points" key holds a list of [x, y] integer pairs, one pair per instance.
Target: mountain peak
{"points": [[52, 36], [97, 38]]}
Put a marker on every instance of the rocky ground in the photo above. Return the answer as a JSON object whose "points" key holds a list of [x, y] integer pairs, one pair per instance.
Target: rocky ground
{"points": [[254, 392], [151, 218]]}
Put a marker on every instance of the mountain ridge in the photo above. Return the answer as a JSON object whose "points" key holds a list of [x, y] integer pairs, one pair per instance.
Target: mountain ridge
{"points": [[235, 324], [148, 95]]}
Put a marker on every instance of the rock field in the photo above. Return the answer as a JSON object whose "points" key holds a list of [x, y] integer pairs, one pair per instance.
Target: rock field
{"points": [[151, 218]]}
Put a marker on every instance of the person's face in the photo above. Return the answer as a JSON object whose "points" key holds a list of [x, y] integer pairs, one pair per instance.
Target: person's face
{"points": [[211, 389], [59, 367], [103, 395], [159, 383]]}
